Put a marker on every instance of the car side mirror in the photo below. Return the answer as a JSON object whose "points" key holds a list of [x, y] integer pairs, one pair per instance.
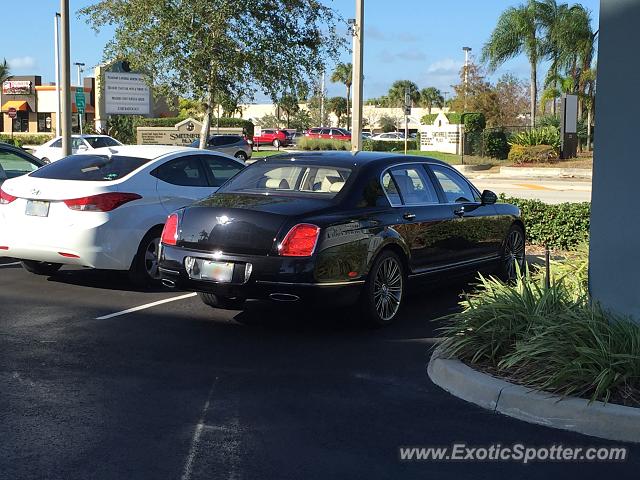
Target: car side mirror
{"points": [[488, 197]]}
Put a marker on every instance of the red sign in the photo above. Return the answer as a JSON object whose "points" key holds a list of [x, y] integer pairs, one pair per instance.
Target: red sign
{"points": [[12, 112]]}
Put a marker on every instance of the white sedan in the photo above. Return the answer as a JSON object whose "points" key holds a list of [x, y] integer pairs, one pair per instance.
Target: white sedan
{"points": [[52, 150], [389, 136], [105, 209]]}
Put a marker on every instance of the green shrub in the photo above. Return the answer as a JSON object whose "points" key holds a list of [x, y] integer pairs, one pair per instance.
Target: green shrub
{"points": [[537, 136], [520, 154], [428, 118], [553, 339], [474, 122], [317, 144], [564, 225], [495, 144], [388, 145], [454, 118], [30, 139], [548, 121], [121, 127]]}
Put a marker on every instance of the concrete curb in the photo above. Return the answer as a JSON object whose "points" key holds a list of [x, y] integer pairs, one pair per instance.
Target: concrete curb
{"points": [[519, 172], [472, 168], [610, 421]]}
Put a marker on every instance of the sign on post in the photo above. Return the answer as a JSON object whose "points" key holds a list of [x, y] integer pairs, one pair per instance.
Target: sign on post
{"points": [[80, 101], [12, 112]]}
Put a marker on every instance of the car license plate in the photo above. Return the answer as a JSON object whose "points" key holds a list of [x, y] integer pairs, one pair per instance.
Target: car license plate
{"points": [[200, 269], [37, 208]]}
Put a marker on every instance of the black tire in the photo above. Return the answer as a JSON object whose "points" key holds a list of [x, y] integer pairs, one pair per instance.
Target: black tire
{"points": [[241, 156], [276, 143], [144, 267], [40, 268], [513, 253], [384, 290], [218, 301]]}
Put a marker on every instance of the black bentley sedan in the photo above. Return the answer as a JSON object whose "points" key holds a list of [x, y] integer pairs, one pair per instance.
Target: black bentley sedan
{"points": [[337, 227]]}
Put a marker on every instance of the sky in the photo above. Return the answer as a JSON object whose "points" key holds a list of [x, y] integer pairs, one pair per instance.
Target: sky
{"points": [[418, 40]]}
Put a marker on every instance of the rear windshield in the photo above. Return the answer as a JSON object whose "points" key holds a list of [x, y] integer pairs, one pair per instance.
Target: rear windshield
{"points": [[289, 179], [93, 168], [99, 142]]}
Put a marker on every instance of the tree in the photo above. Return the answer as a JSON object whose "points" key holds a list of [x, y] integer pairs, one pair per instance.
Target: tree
{"points": [[301, 120], [268, 121], [289, 105], [338, 105], [209, 49], [518, 31], [430, 97], [512, 101], [343, 73], [397, 92], [388, 123], [4, 70]]}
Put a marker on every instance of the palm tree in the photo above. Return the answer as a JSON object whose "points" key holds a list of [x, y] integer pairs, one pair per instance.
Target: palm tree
{"points": [[397, 92], [518, 32], [431, 96], [4, 71], [338, 106], [343, 73], [553, 18]]}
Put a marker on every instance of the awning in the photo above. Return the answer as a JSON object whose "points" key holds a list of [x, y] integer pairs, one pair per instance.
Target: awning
{"points": [[19, 105]]}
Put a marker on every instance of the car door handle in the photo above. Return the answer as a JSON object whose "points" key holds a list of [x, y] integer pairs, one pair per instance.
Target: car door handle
{"points": [[459, 211], [409, 216]]}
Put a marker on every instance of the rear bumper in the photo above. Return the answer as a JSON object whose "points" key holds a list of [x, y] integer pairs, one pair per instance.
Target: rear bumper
{"points": [[272, 278]]}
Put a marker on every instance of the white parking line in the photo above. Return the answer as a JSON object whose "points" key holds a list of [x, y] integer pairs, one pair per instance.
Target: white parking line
{"points": [[146, 305], [195, 440], [9, 264]]}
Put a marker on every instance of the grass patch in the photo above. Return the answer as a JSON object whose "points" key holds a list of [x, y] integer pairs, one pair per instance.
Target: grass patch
{"points": [[265, 153], [552, 339]]}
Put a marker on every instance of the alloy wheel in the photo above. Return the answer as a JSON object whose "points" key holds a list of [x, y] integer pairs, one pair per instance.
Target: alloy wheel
{"points": [[151, 258], [513, 252], [387, 288]]}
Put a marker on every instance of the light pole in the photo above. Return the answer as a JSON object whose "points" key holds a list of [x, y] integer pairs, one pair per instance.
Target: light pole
{"points": [[56, 42], [80, 70], [322, 99], [466, 73], [358, 48], [66, 78]]}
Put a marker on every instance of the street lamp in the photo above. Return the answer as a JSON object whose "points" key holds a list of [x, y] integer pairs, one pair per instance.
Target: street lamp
{"points": [[80, 70], [466, 73]]}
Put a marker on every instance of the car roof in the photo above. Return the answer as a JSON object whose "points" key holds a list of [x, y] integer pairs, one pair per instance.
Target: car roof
{"points": [[347, 159], [143, 151]]}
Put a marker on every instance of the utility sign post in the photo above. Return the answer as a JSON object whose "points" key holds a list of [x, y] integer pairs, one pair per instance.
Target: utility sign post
{"points": [[13, 113], [80, 106], [407, 112]]}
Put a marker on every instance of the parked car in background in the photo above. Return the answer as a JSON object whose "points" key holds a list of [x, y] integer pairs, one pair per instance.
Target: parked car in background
{"points": [[329, 133], [337, 226], [105, 209], [391, 136], [234, 145], [15, 162], [295, 137], [272, 136], [366, 135], [52, 150]]}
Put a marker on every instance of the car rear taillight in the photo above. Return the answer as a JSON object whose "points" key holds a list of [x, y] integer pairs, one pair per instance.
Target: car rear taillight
{"points": [[103, 202], [300, 241], [5, 197], [170, 231]]}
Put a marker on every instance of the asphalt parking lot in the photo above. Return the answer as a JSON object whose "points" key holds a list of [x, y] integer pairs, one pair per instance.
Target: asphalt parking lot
{"points": [[181, 391]]}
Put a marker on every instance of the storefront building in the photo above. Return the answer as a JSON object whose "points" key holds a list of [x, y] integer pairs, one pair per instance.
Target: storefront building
{"points": [[36, 104]]}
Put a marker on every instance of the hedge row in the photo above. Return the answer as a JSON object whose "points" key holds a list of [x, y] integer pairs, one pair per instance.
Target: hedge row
{"points": [[20, 140], [316, 144], [564, 225], [388, 145]]}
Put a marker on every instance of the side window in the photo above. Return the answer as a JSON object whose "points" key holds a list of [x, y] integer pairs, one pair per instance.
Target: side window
{"points": [[185, 171], [15, 165], [456, 188], [57, 143], [77, 143], [222, 169], [415, 187], [391, 190], [325, 131]]}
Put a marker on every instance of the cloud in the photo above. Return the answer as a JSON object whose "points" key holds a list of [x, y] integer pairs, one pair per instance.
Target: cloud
{"points": [[442, 74], [22, 63], [444, 67], [406, 55], [374, 33]]}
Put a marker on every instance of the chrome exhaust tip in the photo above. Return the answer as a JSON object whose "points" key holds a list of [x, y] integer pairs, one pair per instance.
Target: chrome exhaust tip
{"points": [[284, 297], [168, 283]]}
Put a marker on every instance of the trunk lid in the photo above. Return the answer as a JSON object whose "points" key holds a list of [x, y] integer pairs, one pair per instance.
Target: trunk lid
{"points": [[241, 224]]}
